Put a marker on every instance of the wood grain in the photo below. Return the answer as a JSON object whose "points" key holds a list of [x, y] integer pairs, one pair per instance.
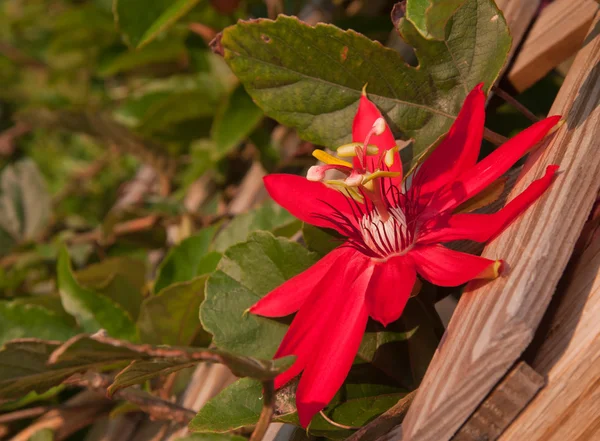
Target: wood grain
{"points": [[503, 404], [495, 322], [556, 35], [569, 356], [518, 15]]}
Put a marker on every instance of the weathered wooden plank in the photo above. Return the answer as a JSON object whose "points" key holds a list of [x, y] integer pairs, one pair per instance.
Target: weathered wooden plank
{"points": [[518, 15], [556, 35], [503, 404], [568, 408], [495, 322]]}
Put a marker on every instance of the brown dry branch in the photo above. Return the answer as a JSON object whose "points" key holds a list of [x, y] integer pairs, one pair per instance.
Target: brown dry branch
{"points": [[9, 136], [156, 408], [516, 104], [266, 414], [78, 412]]}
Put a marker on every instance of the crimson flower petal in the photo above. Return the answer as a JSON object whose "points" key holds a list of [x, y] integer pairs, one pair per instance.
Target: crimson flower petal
{"points": [[289, 297], [311, 202], [444, 267], [390, 287], [457, 152], [336, 306], [336, 343], [484, 227], [486, 171], [365, 117]]}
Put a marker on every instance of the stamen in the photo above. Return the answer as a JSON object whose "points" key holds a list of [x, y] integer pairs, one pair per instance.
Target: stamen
{"points": [[349, 150], [325, 157], [379, 126]]}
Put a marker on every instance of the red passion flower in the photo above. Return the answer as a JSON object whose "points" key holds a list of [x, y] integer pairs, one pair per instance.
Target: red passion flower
{"points": [[393, 232]]}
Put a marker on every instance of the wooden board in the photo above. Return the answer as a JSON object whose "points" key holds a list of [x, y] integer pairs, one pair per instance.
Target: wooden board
{"points": [[495, 322], [568, 408], [503, 404], [556, 35]]}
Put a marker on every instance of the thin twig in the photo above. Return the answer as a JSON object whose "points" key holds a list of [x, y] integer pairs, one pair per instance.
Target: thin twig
{"points": [[333, 423], [266, 413], [493, 137], [517, 105], [157, 408], [385, 422]]}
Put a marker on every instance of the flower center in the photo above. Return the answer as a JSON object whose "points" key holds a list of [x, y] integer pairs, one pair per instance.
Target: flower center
{"points": [[386, 237], [364, 175]]}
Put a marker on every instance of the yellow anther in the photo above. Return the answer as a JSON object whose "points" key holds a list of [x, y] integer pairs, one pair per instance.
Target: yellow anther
{"points": [[325, 157], [349, 150], [379, 174], [345, 188], [389, 156]]}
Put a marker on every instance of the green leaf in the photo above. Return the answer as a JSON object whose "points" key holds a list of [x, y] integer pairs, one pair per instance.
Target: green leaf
{"points": [[42, 435], [247, 272], [25, 204], [311, 78], [269, 217], [157, 52], [92, 310], [31, 321], [186, 260], [431, 16], [121, 279], [141, 370], [354, 413], [235, 120], [237, 406], [240, 404], [141, 21], [24, 369], [320, 240], [171, 316]]}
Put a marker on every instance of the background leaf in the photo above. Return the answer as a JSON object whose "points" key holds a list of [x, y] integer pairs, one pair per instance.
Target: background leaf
{"points": [[430, 17], [31, 321], [92, 310], [268, 217], [25, 204], [141, 21], [236, 118], [186, 260], [171, 316], [234, 287], [319, 95]]}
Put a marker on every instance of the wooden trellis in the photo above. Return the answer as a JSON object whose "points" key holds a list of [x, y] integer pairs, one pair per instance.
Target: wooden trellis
{"points": [[474, 387]]}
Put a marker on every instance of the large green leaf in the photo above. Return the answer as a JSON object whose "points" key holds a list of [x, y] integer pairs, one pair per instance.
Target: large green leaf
{"points": [[141, 21], [240, 404], [184, 261], [211, 437], [237, 406], [269, 216], [430, 17], [171, 316], [93, 311], [247, 272], [311, 77], [31, 321]]}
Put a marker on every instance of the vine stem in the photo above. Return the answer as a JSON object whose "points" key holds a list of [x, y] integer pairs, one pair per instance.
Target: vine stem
{"points": [[517, 105], [266, 413]]}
